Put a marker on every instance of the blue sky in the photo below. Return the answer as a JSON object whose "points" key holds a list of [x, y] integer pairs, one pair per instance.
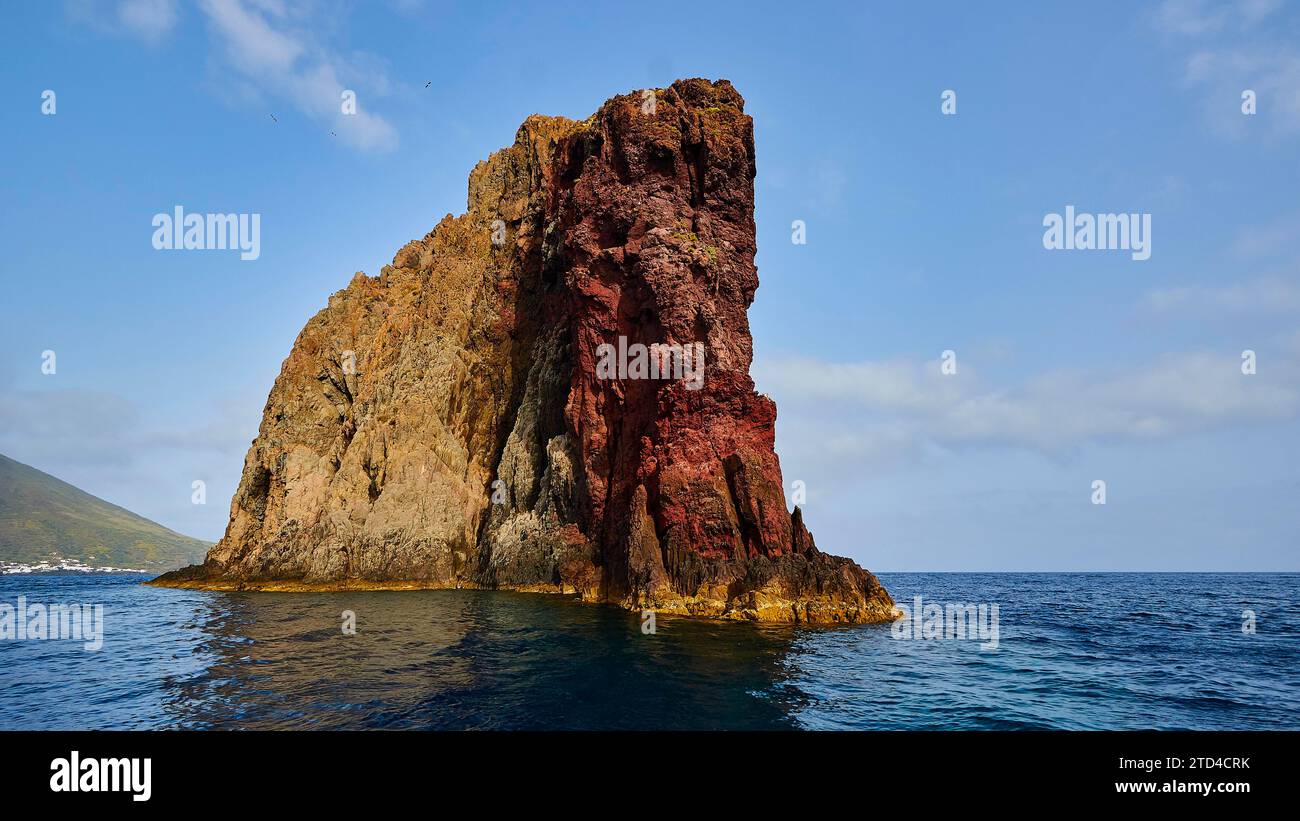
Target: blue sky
{"points": [[924, 234]]}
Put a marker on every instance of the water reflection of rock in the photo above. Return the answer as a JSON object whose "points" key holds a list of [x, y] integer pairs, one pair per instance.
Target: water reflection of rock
{"points": [[471, 659]]}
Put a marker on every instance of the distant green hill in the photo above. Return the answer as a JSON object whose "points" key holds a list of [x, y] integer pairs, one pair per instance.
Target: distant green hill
{"points": [[42, 518]]}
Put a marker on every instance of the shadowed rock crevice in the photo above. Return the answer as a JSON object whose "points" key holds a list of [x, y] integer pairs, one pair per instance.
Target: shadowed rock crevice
{"points": [[444, 425]]}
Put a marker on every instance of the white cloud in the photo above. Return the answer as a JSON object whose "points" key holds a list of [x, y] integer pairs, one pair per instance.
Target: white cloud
{"points": [[270, 53], [887, 409], [148, 20], [1268, 294], [266, 43], [895, 385], [101, 442], [90, 426], [1271, 71], [1282, 234], [1190, 17], [1255, 11], [250, 42], [1197, 18], [1237, 47], [98, 427]]}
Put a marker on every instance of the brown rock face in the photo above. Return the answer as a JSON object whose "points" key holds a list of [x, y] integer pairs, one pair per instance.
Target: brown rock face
{"points": [[453, 422]]}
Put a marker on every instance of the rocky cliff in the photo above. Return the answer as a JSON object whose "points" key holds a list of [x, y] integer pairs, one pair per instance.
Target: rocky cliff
{"points": [[451, 423]]}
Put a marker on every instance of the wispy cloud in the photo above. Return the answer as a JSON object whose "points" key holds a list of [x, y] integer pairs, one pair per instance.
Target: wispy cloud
{"points": [[1190, 17], [270, 53], [92, 428], [877, 409], [1267, 294], [103, 443], [1194, 18], [148, 20], [88, 426], [1279, 235], [271, 47], [1236, 46]]}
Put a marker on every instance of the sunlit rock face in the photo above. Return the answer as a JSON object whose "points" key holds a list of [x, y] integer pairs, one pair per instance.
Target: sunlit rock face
{"points": [[451, 423]]}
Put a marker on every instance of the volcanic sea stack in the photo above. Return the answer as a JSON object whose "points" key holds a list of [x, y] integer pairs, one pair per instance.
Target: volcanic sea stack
{"points": [[445, 424]]}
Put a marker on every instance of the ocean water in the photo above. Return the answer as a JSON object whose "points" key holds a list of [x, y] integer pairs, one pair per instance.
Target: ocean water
{"points": [[1075, 651]]}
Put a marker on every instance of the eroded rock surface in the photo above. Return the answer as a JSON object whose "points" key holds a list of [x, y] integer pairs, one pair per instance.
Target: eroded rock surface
{"points": [[444, 424]]}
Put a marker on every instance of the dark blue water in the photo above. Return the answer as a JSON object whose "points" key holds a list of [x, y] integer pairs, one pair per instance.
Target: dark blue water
{"points": [[1076, 651]]}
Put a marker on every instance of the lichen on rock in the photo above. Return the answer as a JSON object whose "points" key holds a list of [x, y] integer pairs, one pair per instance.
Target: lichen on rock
{"points": [[444, 425]]}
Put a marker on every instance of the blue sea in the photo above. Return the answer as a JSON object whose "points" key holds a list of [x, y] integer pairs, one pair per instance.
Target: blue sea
{"points": [[1075, 651]]}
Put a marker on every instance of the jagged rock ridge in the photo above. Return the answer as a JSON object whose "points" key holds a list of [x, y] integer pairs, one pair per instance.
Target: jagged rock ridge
{"points": [[444, 424]]}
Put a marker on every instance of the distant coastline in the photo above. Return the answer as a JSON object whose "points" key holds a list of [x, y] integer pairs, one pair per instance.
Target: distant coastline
{"points": [[61, 566]]}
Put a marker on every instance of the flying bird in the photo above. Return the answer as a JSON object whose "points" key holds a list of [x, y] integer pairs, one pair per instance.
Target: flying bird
{"points": [[273, 118], [426, 85]]}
